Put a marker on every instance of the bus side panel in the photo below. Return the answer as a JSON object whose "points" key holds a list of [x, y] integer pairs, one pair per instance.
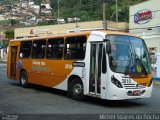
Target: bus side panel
{"points": [[47, 73], [13, 56]]}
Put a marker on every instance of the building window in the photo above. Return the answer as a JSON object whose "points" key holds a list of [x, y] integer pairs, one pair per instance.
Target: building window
{"points": [[25, 49], [75, 47], [55, 48], [152, 52], [38, 49]]}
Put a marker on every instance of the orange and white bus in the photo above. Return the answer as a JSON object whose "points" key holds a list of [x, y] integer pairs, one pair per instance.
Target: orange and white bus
{"points": [[105, 64]]}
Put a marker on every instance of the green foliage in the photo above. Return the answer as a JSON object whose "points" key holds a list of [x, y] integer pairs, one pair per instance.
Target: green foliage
{"points": [[9, 34], [4, 22], [7, 2], [5, 44], [51, 22], [13, 22], [10, 22], [88, 10], [37, 2]]}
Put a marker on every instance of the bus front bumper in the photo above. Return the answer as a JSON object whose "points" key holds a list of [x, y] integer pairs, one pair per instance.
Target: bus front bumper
{"points": [[123, 94]]}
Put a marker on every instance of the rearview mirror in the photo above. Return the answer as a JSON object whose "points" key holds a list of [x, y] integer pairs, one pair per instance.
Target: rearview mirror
{"points": [[108, 46]]}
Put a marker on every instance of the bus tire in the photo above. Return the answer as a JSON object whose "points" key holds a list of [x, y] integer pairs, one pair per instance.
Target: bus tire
{"points": [[76, 89], [24, 79]]}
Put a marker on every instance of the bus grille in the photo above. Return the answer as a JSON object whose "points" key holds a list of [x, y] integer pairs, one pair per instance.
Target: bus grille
{"points": [[134, 86]]}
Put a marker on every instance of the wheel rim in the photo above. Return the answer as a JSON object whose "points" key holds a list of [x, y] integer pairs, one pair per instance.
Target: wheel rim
{"points": [[23, 80], [77, 89]]}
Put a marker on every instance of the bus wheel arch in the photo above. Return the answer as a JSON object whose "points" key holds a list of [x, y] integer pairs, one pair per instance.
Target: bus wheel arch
{"points": [[23, 78], [75, 87]]}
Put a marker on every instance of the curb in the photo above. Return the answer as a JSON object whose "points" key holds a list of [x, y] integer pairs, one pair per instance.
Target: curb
{"points": [[156, 81], [3, 61]]}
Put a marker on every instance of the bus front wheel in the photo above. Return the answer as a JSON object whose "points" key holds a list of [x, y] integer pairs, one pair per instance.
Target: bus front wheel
{"points": [[24, 79], [76, 89]]}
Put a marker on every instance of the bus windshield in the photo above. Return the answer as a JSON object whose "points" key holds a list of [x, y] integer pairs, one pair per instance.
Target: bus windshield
{"points": [[128, 55]]}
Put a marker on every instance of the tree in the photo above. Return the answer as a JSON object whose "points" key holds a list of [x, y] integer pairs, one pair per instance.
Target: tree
{"points": [[9, 34], [92, 9], [5, 43], [13, 22]]}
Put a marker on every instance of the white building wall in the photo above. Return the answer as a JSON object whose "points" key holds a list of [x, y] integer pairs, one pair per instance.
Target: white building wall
{"points": [[148, 29], [2, 53], [154, 6], [153, 42]]}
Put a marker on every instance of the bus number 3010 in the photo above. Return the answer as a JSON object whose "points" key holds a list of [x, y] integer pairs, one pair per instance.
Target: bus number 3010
{"points": [[68, 66], [126, 81]]}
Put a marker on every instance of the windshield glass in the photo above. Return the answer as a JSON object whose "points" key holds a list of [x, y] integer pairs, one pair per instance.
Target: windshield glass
{"points": [[128, 55]]}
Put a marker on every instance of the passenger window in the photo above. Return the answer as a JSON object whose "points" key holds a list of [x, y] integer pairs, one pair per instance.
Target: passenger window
{"points": [[55, 48], [38, 49], [75, 47], [25, 49]]}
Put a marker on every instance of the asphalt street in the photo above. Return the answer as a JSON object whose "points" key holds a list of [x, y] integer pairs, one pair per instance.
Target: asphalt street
{"points": [[41, 100]]}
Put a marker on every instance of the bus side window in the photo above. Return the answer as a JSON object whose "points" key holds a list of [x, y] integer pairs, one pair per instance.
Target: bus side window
{"points": [[38, 49], [25, 49], [55, 48], [75, 47]]}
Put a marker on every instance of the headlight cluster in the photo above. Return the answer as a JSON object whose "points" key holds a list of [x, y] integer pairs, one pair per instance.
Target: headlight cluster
{"points": [[116, 82]]}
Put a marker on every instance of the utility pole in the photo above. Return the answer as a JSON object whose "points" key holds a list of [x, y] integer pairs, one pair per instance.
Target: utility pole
{"points": [[104, 13], [80, 2], [58, 16], [117, 14]]}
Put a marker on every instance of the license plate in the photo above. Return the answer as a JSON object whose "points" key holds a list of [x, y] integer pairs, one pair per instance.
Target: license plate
{"points": [[136, 92]]}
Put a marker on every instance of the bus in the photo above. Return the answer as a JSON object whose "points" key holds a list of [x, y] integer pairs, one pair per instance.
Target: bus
{"points": [[105, 64]]}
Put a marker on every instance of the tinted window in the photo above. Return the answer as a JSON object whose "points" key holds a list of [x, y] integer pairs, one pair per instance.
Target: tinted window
{"points": [[25, 50], [55, 48], [38, 49], [75, 47]]}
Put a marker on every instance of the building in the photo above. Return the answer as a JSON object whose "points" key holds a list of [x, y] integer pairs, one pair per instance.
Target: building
{"points": [[65, 28], [144, 21]]}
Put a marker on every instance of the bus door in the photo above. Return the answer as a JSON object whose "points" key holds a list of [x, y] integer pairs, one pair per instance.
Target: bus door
{"points": [[13, 61], [95, 68]]}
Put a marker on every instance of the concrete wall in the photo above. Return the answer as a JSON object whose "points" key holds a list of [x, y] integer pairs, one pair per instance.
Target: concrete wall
{"points": [[63, 28]]}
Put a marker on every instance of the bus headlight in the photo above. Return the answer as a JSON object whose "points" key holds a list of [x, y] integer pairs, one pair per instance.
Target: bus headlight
{"points": [[116, 82]]}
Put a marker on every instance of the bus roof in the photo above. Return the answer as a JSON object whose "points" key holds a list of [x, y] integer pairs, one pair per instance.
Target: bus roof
{"points": [[75, 34]]}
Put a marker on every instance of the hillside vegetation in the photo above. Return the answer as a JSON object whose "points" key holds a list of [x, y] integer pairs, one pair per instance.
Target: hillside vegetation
{"points": [[87, 10]]}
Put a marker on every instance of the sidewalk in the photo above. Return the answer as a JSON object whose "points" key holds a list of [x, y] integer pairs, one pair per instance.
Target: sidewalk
{"points": [[155, 78], [2, 61]]}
